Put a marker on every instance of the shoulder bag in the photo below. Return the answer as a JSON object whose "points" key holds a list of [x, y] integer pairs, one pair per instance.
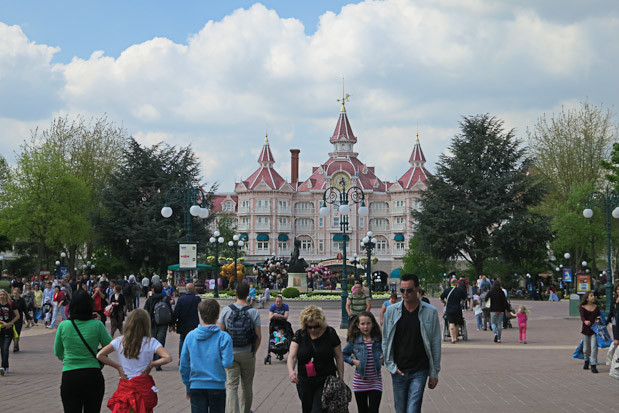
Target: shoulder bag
{"points": [[86, 344]]}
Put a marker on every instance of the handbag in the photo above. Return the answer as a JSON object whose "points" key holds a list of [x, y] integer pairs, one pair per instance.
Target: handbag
{"points": [[601, 332], [487, 303], [86, 344], [578, 353], [336, 395], [614, 367], [108, 310]]}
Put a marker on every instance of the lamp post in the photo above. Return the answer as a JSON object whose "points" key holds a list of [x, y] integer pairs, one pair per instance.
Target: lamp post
{"points": [[192, 199], [1, 265], [235, 244], [567, 257], [57, 268], [342, 198], [215, 240], [369, 244], [608, 200]]}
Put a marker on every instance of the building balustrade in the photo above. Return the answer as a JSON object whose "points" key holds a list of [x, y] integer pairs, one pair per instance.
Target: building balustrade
{"points": [[304, 211], [305, 228], [263, 226], [243, 210], [284, 210], [243, 226], [263, 210], [398, 227], [398, 210]]}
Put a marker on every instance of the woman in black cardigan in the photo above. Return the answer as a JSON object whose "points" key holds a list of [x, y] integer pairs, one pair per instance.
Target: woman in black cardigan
{"points": [[498, 306]]}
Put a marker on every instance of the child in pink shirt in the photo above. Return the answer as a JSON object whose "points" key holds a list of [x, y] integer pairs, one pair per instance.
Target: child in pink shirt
{"points": [[522, 315]]}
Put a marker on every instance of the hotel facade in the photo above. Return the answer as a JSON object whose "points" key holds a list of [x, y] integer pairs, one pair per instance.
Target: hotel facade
{"points": [[272, 212]]}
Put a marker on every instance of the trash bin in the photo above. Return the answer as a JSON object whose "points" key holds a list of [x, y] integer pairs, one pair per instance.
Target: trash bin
{"points": [[574, 302]]}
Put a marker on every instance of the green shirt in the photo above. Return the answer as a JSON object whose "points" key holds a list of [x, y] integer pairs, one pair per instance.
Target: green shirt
{"points": [[70, 348], [358, 304]]}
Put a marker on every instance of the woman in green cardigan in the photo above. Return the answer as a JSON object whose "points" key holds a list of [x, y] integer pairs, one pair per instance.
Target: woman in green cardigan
{"points": [[82, 385]]}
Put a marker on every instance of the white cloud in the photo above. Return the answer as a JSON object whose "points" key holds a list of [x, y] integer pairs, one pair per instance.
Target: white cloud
{"points": [[409, 65]]}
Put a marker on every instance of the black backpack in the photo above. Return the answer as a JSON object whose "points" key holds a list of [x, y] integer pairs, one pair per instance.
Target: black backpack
{"points": [[241, 327], [128, 289], [161, 312]]}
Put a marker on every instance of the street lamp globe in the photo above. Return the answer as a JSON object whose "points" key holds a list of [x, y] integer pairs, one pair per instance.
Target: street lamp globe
{"points": [[366, 240], [63, 255], [584, 263], [212, 240], [235, 237], [166, 212], [231, 243], [216, 234], [344, 209], [57, 263], [220, 240], [616, 213], [204, 213], [195, 210], [373, 240], [324, 210], [567, 256], [369, 234], [587, 213], [92, 267], [557, 269], [364, 211], [241, 243]]}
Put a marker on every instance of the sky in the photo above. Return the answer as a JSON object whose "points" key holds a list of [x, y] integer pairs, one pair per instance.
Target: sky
{"points": [[217, 74]]}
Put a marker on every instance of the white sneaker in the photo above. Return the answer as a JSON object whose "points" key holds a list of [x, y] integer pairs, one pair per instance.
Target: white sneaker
{"points": [[1, 371]]}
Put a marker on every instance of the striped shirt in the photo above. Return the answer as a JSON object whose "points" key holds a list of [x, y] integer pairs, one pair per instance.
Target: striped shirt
{"points": [[372, 379]]}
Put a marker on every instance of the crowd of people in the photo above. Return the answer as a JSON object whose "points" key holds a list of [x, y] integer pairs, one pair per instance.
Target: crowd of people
{"points": [[218, 346]]}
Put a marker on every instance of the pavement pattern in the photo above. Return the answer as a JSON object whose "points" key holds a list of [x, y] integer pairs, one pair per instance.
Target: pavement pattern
{"points": [[476, 375]]}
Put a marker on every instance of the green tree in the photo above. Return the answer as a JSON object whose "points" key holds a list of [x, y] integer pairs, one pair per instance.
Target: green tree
{"points": [[613, 166], [568, 148], [131, 226], [428, 268], [480, 190], [44, 203], [91, 150]]}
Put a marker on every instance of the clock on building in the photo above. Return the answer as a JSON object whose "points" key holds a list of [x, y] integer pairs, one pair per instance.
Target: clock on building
{"points": [[340, 180]]}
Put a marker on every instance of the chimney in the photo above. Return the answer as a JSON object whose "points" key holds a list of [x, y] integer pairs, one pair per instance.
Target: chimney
{"points": [[294, 166]]}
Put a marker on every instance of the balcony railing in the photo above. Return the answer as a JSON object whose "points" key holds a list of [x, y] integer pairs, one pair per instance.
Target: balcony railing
{"points": [[398, 210], [305, 227], [243, 210], [399, 251], [284, 210], [304, 211], [379, 227], [398, 227], [284, 227], [262, 226], [243, 226], [263, 210]]}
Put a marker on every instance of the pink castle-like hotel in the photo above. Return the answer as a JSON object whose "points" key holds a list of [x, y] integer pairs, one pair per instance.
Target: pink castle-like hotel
{"points": [[271, 212]]}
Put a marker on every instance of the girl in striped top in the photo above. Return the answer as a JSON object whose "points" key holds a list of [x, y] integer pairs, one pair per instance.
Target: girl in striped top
{"points": [[364, 350]]}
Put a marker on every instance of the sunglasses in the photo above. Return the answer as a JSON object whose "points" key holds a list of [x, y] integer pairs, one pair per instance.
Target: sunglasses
{"points": [[407, 290], [313, 327]]}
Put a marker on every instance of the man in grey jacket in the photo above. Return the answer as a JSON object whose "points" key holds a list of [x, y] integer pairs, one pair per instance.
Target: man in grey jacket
{"points": [[411, 346]]}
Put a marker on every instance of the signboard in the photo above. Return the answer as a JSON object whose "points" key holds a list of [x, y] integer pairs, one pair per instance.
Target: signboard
{"points": [[187, 256], [583, 283], [566, 274]]}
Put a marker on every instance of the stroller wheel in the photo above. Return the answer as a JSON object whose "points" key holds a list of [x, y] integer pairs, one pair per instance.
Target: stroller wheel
{"points": [[267, 359]]}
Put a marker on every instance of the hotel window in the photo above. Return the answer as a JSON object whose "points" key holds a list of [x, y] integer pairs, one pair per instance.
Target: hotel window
{"points": [[283, 204], [263, 245], [282, 245], [399, 245], [306, 245], [336, 221], [399, 220], [399, 203], [263, 203], [321, 222], [245, 220], [245, 204], [321, 245], [381, 245], [361, 222], [283, 221]]}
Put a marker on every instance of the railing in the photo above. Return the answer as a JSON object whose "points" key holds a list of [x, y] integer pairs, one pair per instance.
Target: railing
{"points": [[304, 211], [399, 251], [263, 210], [243, 226], [243, 210], [305, 227], [284, 210], [284, 252], [398, 227], [379, 211], [284, 227], [377, 227], [262, 226], [398, 210]]}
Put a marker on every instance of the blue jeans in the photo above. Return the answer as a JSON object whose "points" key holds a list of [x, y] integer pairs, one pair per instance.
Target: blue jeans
{"points": [[478, 317], [408, 391], [58, 308], [496, 321], [208, 400]]}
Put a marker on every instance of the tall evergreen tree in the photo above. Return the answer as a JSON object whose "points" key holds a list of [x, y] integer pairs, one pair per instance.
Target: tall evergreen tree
{"points": [[482, 192], [131, 226]]}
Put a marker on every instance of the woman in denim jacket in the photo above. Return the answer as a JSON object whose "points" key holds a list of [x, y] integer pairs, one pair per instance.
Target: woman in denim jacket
{"points": [[364, 350]]}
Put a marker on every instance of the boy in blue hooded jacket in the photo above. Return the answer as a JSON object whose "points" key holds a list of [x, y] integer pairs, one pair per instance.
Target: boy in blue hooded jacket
{"points": [[206, 352]]}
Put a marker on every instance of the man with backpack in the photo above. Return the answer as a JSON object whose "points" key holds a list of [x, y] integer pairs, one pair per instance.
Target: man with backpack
{"points": [[129, 291], [160, 311], [242, 322]]}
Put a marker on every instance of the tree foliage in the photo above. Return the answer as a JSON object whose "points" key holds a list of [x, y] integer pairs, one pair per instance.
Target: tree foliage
{"points": [[44, 203], [482, 191], [612, 166], [417, 261], [568, 148], [131, 226]]}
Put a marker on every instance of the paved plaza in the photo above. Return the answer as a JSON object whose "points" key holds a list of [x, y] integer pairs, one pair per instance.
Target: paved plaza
{"points": [[477, 375]]}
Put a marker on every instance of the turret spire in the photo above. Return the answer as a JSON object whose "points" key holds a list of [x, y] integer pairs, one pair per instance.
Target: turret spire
{"points": [[344, 98]]}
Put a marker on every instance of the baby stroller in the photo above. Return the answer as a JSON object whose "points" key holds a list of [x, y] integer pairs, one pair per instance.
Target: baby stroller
{"points": [[462, 333], [279, 348]]}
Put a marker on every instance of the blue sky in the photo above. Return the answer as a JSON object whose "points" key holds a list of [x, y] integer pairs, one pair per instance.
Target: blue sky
{"points": [[80, 26], [216, 74]]}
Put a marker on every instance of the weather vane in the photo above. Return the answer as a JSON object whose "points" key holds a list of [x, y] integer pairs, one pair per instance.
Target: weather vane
{"points": [[345, 97]]}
